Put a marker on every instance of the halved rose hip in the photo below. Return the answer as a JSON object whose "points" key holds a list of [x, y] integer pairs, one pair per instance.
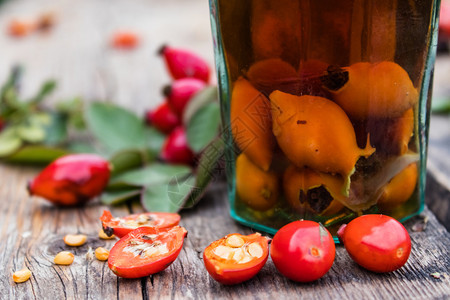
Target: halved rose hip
{"points": [[236, 258], [145, 251], [121, 226]]}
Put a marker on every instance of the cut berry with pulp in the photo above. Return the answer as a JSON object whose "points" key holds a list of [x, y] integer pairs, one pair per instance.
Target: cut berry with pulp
{"points": [[162, 118], [185, 64], [145, 251], [180, 92], [176, 149], [121, 226], [236, 258]]}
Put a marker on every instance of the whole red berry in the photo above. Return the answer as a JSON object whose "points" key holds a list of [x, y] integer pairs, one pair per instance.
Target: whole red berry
{"points": [[182, 63], [71, 179], [303, 251], [176, 148], [378, 243], [180, 92], [162, 118]]}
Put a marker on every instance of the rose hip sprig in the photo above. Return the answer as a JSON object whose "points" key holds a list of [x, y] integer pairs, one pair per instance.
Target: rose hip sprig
{"points": [[183, 63]]}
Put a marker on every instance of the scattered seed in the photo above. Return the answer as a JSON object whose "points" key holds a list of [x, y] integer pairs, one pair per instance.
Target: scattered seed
{"points": [[255, 250], [235, 241], [21, 275], [75, 239], [64, 258], [101, 254], [104, 236]]}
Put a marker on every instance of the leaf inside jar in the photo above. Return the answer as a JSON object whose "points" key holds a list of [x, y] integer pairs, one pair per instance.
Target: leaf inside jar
{"points": [[365, 191]]}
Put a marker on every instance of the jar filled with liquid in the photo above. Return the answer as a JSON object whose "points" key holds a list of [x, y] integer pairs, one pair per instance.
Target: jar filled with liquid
{"points": [[325, 106]]}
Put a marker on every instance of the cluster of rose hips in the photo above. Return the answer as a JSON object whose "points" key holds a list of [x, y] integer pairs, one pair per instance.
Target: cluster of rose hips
{"points": [[190, 74], [76, 178], [304, 250]]}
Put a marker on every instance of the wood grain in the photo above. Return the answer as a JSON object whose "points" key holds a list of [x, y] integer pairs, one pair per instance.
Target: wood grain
{"points": [[32, 232]]}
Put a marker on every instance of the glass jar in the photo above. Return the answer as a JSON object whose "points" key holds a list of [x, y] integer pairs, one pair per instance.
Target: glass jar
{"points": [[325, 106]]}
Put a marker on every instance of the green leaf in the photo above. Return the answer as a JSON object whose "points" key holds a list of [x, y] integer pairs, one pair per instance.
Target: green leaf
{"points": [[31, 133], [130, 159], [200, 99], [168, 197], [82, 147], [73, 109], [116, 128], [153, 174], [203, 126], [118, 197], [45, 90], [36, 155], [154, 140], [9, 142], [56, 131], [208, 167], [440, 106]]}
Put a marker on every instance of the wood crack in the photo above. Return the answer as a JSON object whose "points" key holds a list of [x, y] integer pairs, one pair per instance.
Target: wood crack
{"points": [[144, 288], [152, 280], [86, 276], [118, 289], [62, 282], [31, 281]]}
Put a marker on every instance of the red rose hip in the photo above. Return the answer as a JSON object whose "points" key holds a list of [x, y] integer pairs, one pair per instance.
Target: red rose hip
{"points": [[236, 258], [145, 251], [162, 118], [185, 64], [72, 179], [378, 243], [303, 251], [180, 92], [176, 148]]}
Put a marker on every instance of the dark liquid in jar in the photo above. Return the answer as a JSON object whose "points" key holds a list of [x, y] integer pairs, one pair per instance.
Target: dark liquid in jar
{"points": [[324, 102]]}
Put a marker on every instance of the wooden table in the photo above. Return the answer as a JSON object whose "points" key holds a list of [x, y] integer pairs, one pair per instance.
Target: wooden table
{"points": [[32, 233], [31, 230]]}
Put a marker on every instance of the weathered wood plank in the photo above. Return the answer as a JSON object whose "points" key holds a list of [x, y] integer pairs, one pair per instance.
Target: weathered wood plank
{"points": [[35, 229]]}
